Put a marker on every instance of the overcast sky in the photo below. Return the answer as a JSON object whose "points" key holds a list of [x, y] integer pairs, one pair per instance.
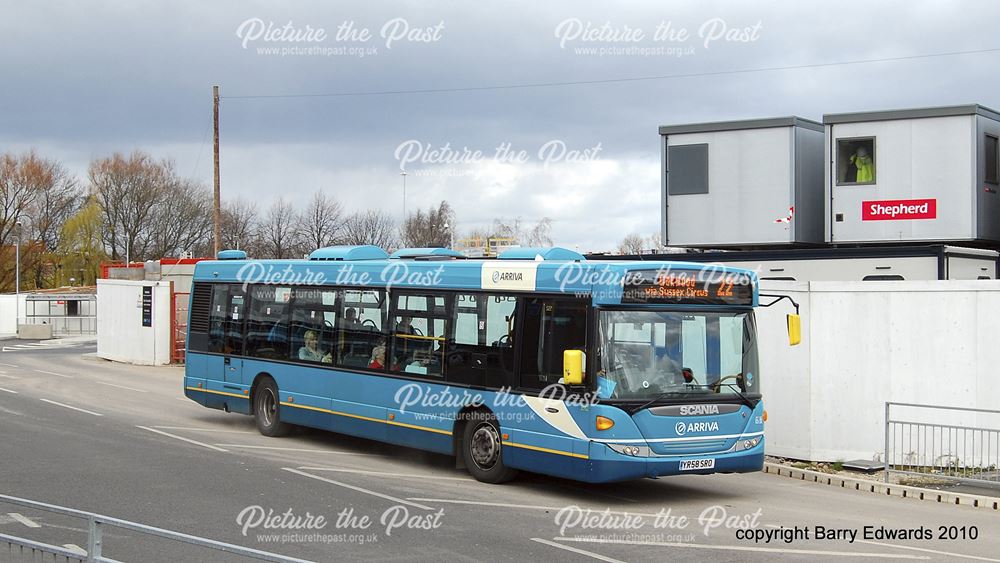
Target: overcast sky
{"points": [[82, 80]]}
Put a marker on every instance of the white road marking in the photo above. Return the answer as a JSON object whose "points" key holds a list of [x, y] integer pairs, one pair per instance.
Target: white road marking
{"points": [[527, 506], [798, 552], [5, 376], [925, 550], [385, 474], [577, 551], [602, 493], [205, 429], [54, 373], [122, 387], [183, 439], [75, 548], [359, 489], [281, 449], [948, 553], [24, 520], [71, 407], [8, 365], [8, 390]]}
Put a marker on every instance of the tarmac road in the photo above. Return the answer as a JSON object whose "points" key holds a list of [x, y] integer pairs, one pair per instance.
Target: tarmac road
{"points": [[123, 441]]}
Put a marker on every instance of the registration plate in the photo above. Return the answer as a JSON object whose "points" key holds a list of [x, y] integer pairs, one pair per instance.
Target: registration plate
{"points": [[689, 464]]}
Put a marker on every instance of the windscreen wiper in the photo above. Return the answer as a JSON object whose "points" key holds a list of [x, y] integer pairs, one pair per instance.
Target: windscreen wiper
{"points": [[654, 399], [736, 389]]}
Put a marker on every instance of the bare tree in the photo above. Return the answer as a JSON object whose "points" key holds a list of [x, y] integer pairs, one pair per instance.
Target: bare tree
{"points": [[514, 229], [37, 194], [321, 222], [431, 229], [128, 190], [279, 232], [240, 226], [57, 197], [181, 221], [632, 244], [370, 227], [540, 234], [17, 193]]}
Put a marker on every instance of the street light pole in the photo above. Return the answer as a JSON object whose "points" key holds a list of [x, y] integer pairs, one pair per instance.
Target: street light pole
{"points": [[17, 259], [451, 235], [403, 174], [17, 276]]}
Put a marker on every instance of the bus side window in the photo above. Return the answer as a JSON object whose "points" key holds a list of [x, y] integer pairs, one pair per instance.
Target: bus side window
{"points": [[359, 335], [308, 317], [501, 339], [550, 327], [418, 328], [217, 318], [466, 353], [267, 322], [225, 333]]}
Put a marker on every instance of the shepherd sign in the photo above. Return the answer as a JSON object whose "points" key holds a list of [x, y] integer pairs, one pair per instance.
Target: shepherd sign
{"points": [[902, 209]]}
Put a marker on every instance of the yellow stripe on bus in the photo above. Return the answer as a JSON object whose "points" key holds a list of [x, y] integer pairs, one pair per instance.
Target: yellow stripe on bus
{"points": [[368, 418], [546, 450], [415, 427], [218, 392], [394, 423]]}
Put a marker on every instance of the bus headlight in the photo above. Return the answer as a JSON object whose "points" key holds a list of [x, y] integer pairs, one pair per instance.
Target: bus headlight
{"points": [[747, 443], [634, 451]]}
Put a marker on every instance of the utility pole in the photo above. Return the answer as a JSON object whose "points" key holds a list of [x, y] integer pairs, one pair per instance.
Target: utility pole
{"points": [[217, 208]]}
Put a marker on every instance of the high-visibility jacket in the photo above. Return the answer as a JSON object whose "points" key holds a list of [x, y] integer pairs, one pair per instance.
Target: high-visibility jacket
{"points": [[866, 168]]}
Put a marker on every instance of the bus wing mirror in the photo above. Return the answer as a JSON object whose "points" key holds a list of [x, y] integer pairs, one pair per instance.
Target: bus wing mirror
{"points": [[794, 330], [573, 367]]}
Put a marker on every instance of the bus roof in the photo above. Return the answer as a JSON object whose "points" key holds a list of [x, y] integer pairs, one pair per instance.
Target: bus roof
{"points": [[601, 279]]}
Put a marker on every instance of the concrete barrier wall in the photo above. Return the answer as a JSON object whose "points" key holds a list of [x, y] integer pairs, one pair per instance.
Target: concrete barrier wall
{"points": [[10, 311], [120, 334], [865, 343]]}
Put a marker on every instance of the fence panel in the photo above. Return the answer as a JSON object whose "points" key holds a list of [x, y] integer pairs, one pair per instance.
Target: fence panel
{"points": [[961, 444]]}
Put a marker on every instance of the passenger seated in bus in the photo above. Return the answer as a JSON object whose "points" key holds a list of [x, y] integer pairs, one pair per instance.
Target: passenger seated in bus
{"points": [[311, 352], [378, 358], [351, 319], [405, 326]]}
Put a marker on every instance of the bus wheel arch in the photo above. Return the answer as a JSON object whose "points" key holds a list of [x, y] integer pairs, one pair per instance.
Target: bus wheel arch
{"points": [[265, 405], [478, 445]]}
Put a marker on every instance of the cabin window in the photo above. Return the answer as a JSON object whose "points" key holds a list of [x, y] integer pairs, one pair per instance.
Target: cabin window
{"points": [[856, 161], [687, 169], [991, 160]]}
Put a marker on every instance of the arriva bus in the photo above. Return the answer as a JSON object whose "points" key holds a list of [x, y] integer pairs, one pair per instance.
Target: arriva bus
{"points": [[538, 360]]}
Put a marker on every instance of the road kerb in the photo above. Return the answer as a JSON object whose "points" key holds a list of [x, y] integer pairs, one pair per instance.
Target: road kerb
{"points": [[881, 488]]}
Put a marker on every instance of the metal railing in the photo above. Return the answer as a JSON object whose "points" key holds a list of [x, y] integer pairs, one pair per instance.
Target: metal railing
{"points": [[960, 444], [95, 543], [179, 304]]}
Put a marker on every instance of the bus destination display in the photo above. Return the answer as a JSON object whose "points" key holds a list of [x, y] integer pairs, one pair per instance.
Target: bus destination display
{"points": [[689, 287]]}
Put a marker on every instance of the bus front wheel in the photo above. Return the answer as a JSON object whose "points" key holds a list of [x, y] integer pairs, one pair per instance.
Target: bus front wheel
{"points": [[482, 450], [267, 409]]}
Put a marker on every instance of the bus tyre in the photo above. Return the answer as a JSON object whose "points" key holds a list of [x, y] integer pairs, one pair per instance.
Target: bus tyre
{"points": [[482, 451], [267, 409]]}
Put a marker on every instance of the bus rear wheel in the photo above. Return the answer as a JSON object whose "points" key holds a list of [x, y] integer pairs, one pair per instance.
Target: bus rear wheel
{"points": [[267, 409], [482, 450]]}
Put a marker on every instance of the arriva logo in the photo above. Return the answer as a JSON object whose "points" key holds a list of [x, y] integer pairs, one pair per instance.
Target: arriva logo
{"points": [[693, 410], [507, 276], [683, 428]]}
